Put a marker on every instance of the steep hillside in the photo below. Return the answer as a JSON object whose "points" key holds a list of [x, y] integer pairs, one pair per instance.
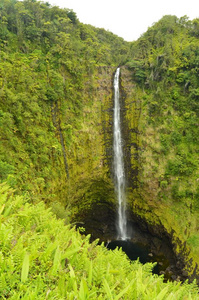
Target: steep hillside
{"points": [[164, 69], [55, 82]]}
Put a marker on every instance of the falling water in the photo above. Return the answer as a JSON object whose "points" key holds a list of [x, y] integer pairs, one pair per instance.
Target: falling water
{"points": [[119, 163]]}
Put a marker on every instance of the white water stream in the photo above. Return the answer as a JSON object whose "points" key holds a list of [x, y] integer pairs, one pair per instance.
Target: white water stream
{"points": [[119, 162]]}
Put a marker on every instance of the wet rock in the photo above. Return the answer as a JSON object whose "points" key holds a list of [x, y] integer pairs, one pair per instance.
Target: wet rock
{"points": [[100, 222], [162, 273]]}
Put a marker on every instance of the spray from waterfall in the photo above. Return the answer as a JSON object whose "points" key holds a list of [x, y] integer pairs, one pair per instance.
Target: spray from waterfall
{"points": [[119, 173]]}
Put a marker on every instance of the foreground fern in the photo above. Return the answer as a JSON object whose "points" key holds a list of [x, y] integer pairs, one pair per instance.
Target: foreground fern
{"points": [[41, 258]]}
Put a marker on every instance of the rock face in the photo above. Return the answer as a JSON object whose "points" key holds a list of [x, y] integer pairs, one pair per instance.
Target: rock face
{"points": [[93, 191]]}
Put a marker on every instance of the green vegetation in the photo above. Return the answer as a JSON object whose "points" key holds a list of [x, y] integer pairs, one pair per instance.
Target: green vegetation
{"points": [[56, 147], [41, 258], [164, 65], [51, 68]]}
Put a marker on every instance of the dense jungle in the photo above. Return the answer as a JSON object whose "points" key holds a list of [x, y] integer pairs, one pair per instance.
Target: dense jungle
{"points": [[57, 199]]}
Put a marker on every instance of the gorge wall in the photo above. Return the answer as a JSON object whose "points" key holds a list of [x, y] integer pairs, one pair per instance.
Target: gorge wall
{"points": [[60, 151], [96, 200]]}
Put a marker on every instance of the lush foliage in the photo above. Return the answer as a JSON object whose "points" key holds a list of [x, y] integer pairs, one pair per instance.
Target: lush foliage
{"points": [[55, 134], [49, 65], [165, 66], [41, 258]]}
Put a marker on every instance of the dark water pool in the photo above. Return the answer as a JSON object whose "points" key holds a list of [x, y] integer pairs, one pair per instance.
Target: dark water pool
{"points": [[135, 251]]}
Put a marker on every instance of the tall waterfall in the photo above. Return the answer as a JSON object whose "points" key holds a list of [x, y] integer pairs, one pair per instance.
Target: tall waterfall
{"points": [[119, 163]]}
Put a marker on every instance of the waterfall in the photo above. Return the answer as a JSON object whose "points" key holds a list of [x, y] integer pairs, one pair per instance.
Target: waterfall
{"points": [[119, 173]]}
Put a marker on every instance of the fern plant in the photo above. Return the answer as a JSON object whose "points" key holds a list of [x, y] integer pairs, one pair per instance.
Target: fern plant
{"points": [[41, 258]]}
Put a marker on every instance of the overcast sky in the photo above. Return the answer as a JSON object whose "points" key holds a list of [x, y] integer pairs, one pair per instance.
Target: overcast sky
{"points": [[128, 18]]}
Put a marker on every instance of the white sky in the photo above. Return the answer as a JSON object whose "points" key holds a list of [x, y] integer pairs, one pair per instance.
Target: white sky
{"points": [[128, 18]]}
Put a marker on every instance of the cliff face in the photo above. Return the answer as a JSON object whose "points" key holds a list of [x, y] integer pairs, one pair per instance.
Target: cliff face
{"points": [[88, 188], [93, 185], [90, 157], [150, 202], [146, 208]]}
